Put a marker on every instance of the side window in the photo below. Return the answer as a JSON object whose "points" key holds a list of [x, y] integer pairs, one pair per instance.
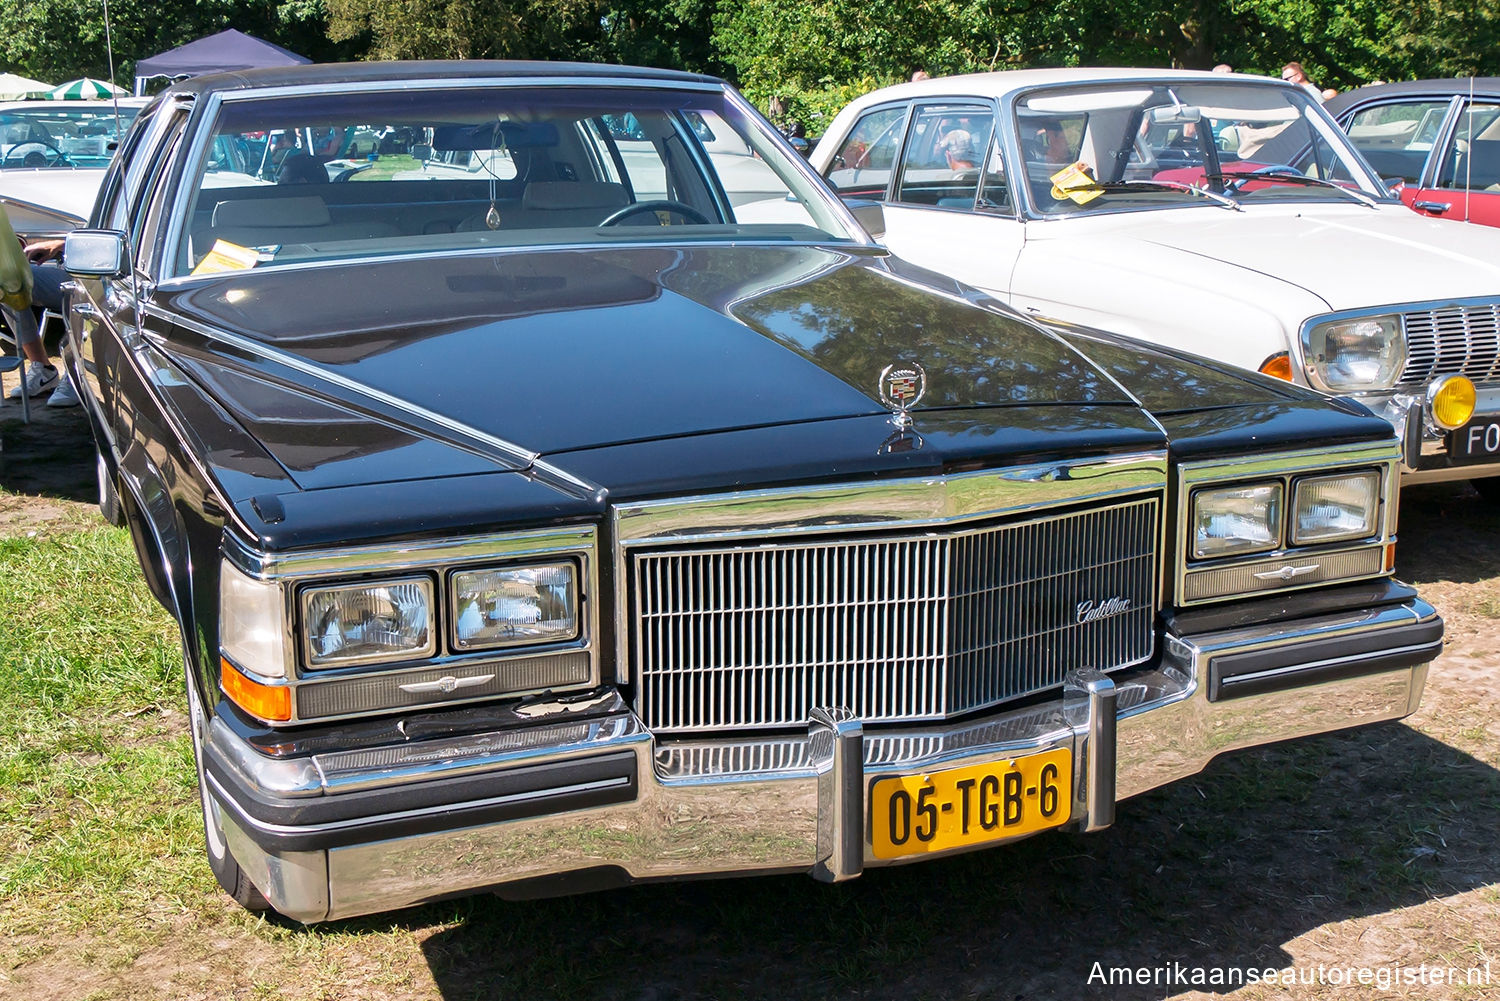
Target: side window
{"points": [[1396, 138], [119, 185], [1472, 158], [862, 166], [948, 146]]}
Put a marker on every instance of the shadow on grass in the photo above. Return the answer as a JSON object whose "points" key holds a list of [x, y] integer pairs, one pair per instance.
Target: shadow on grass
{"points": [[1447, 532], [52, 456], [1216, 871]]}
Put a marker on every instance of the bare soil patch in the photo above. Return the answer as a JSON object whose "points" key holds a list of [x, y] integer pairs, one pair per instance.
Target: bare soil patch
{"points": [[1375, 849]]}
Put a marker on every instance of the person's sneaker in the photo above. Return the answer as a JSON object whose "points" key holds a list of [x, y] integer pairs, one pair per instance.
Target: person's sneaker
{"points": [[64, 395], [39, 380]]}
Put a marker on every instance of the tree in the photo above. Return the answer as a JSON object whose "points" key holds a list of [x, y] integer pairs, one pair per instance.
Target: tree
{"points": [[58, 40]]}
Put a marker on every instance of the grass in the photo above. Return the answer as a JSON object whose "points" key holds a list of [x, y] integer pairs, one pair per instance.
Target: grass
{"points": [[95, 764]]}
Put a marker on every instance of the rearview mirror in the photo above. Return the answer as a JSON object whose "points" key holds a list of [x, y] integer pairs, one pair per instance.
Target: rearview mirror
{"points": [[1177, 114], [421, 151], [94, 253]]}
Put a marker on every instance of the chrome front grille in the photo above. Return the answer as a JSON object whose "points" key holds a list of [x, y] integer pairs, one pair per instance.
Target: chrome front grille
{"points": [[1452, 340], [907, 627]]}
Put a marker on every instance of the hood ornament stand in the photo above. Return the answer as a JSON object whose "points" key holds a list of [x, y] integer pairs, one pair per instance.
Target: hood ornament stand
{"points": [[901, 386]]}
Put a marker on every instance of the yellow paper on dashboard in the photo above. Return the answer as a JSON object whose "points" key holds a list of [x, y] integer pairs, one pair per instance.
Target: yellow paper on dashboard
{"points": [[1075, 181], [225, 256]]}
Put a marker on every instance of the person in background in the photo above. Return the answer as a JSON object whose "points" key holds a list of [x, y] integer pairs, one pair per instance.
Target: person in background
{"points": [[47, 277], [1223, 68], [1292, 73], [920, 75]]}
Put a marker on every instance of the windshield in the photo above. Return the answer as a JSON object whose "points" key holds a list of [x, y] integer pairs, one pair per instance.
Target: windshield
{"points": [[61, 133], [339, 176], [1149, 145]]}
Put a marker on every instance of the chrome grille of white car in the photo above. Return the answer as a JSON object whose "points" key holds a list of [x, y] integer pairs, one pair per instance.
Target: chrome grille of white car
{"points": [[1452, 340], [908, 627]]}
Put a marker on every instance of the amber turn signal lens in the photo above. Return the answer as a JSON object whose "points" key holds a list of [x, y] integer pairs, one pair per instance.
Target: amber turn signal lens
{"points": [[1451, 401], [1390, 556], [1278, 366], [267, 702]]}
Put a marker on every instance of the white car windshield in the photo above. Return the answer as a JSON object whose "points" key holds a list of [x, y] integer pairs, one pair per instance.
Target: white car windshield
{"points": [[1143, 145], [62, 133], [358, 174]]}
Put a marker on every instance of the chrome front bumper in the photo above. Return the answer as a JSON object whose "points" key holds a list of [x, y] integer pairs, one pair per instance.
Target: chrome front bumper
{"points": [[584, 796], [1424, 447]]}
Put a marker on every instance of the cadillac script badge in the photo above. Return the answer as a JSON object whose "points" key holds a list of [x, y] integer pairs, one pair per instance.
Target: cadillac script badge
{"points": [[901, 386]]}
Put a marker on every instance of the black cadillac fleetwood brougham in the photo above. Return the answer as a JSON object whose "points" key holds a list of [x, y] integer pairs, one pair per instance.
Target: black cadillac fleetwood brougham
{"points": [[546, 479]]}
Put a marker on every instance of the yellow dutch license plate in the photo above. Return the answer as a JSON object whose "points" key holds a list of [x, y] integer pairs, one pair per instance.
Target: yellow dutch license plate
{"points": [[931, 812]]}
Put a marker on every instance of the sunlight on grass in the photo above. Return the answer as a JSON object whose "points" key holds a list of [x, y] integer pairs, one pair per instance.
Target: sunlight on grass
{"points": [[96, 774]]}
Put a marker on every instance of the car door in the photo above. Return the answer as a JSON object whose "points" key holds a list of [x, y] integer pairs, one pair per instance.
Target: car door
{"points": [[950, 205], [1465, 183]]}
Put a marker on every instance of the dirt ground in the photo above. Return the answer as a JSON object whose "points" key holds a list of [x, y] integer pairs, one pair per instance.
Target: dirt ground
{"points": [[1377, 849]]}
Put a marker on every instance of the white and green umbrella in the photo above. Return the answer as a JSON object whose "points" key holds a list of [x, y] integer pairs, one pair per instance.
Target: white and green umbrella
{"points": [[86, 89], [19, 88]]}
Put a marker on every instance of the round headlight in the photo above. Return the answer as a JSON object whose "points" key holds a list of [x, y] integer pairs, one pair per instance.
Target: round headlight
{"points": [[1363, 353], [1450, 400]]}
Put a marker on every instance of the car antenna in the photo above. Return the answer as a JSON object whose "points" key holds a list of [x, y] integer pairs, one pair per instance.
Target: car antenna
{"points": [[114, 94]]}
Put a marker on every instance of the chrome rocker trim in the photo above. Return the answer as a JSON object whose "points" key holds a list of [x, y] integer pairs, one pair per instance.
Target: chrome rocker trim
{"points": [[573, 803]]}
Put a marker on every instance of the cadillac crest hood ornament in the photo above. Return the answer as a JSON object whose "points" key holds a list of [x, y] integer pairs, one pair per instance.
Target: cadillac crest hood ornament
{"points": [[901, 386]]}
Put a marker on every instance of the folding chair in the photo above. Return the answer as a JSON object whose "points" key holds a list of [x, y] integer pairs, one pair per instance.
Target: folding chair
{"points": [[15, 363]]}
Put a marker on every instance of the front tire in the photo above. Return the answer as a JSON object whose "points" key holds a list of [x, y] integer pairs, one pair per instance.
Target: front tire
{"points": [[225, 869]]}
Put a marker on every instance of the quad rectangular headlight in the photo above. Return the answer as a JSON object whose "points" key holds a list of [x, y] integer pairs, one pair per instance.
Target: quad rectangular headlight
{"points": [[514, 605], [1335, 508], [369, 623], [1227, 521]]}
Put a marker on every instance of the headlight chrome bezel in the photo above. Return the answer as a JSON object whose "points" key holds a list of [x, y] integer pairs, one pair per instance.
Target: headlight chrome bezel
{"points": [[294, 578], [1291, 564], [1313, 338]]}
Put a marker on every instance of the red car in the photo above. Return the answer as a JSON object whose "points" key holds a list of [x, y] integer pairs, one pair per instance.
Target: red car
{"points": [[1440, 139]]}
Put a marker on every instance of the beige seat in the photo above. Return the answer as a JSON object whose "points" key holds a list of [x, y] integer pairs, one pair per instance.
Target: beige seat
{"points": [[261, 222], [557, 204]]}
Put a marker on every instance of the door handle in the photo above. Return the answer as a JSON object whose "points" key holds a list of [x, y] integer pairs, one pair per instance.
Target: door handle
{"points": [[1437, 207]]}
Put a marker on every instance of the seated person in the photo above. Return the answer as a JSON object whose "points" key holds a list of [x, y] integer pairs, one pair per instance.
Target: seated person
{"points": [[958, 147]]}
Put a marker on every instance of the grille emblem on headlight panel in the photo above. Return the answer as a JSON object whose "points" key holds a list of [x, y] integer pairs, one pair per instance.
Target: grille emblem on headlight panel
{"points": [[901, 386], [1286, 572], [445, 685]]}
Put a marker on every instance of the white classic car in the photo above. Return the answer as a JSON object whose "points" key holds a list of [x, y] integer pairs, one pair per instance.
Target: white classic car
{"points": [[52, 158], [1223, 215]]}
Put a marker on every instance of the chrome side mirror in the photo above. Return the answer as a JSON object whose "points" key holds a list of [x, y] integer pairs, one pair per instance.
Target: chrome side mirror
{"points": [[94, 253]]}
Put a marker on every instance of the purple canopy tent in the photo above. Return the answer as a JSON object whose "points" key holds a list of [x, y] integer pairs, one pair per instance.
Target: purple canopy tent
{"points": [[228, 50]]}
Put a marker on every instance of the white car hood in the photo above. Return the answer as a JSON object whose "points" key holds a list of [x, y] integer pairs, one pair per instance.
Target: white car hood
{"points": [[1338, 253], [60, 191]]}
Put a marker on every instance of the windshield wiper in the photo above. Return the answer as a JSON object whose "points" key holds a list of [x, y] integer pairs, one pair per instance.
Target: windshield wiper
{"points": [[1106, 186], [1291, 177]]}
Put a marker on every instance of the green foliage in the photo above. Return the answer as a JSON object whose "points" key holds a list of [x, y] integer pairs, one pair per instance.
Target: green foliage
{"points": [[57, 40], [812, 54]]}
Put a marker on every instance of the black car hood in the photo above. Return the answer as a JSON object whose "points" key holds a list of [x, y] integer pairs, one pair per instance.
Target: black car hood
{"points": [[558, 350]]}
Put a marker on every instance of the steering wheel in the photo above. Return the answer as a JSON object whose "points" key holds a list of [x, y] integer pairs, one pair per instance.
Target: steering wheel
{"points": [[656, 205], [1247, 175], [34, 154]]}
